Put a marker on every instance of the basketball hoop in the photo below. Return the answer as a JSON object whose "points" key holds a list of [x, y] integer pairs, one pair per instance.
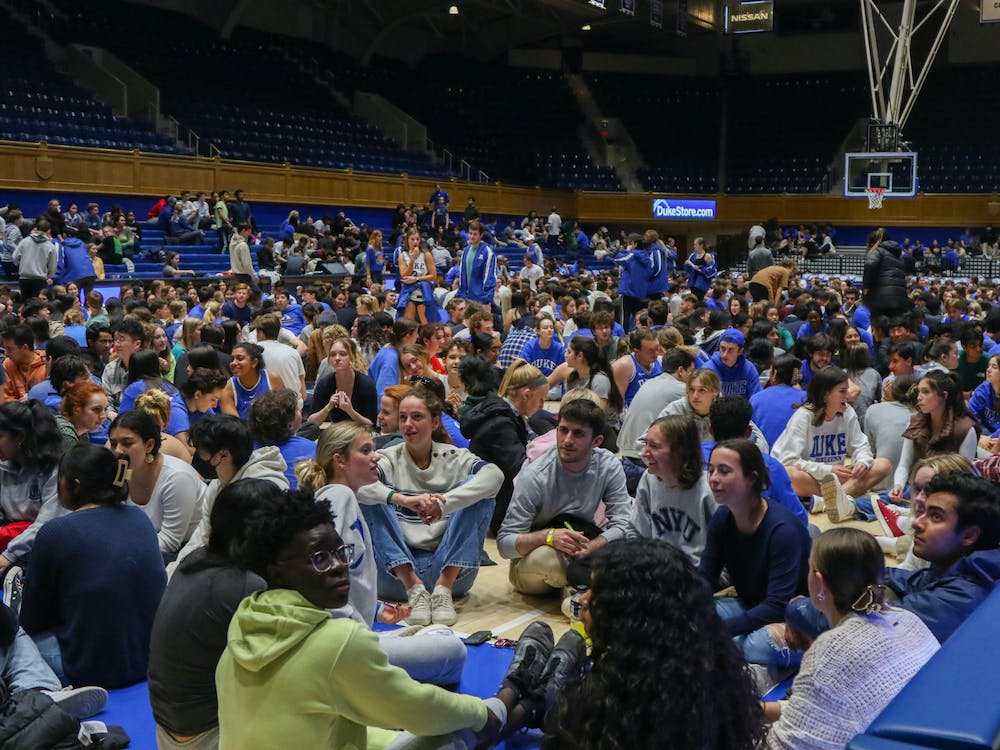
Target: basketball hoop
{"points": [[875, 196]]}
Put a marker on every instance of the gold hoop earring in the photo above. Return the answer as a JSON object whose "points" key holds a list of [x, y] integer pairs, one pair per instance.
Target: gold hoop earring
{"points": [[150, 458]]}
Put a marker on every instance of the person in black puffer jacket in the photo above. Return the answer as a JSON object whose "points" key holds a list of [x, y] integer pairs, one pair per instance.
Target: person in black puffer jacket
{"points": [[496, 426], [884, 280]]}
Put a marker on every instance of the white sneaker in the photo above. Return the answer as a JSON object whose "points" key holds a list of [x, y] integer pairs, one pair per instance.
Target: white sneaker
{"points": [[818, 504], [442, 607], [420, 605], [897, 546], [839, 505]]}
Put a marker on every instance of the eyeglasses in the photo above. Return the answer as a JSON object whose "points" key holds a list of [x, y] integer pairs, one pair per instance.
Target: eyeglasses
{"points": [[324, 560]]}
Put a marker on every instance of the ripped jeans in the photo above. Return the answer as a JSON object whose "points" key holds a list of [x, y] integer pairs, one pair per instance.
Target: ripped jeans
{"points": [[759, 647]]}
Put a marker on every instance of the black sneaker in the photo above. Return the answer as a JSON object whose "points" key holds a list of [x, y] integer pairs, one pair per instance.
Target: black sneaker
{"points": [[564, 661], [13, 587], [530, 655]]}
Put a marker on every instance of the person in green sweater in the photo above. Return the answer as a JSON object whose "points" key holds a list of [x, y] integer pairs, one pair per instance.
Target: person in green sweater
{"points": [[294, 676]]}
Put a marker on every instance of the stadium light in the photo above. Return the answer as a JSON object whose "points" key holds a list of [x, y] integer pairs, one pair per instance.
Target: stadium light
{"points": [[453, 10]]}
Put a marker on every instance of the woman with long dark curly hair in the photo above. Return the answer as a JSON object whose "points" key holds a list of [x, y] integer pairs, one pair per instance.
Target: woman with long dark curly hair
{"points": [[649, 614]]}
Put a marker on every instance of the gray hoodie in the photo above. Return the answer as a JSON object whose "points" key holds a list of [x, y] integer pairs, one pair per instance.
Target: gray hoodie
{"points": [[265, 463], [36, 256], [27, 495]]}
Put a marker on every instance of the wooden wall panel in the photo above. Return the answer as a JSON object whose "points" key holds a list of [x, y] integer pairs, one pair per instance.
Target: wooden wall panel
{"points": [[43, 167]]}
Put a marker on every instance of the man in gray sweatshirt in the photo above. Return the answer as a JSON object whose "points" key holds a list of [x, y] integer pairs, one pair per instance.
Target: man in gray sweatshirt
{"points": [[36, 258], [550, 521]]}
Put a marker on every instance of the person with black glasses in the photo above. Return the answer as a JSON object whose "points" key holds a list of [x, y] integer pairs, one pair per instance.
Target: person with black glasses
{"points": [[293, 676]]}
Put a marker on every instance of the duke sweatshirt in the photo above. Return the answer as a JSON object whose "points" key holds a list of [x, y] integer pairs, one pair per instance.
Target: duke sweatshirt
{"points": [[815, 448]]}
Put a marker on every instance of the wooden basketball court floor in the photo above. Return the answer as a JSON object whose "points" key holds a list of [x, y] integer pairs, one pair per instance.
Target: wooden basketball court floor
{"points": [[493, 605]]}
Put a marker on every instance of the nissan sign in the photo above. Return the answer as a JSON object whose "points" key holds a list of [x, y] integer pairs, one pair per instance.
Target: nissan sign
{"points": [[683, 209]]}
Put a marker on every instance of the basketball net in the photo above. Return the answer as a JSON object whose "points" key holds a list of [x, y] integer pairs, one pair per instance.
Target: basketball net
{"points": [[875, 196]]}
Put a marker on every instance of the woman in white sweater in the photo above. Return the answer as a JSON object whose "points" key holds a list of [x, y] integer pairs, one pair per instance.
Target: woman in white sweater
{"points": [[673, 501], [346, 460], [166, 488], [825, 451], [443, 500], [840, 689]]}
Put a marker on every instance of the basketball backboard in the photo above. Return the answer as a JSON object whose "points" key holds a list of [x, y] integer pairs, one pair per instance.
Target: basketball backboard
{"points": [[894, 171]]}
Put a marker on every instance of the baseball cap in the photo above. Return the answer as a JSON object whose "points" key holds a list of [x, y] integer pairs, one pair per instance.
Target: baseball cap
{"points": [[733, 336]]}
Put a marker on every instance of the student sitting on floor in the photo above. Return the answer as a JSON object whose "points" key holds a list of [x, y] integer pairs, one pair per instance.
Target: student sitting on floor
{"points": [[96, 576], [840, 688], [293, 676], [428, 513], [550, 521], [189, 632], [29, 454], [345, 461], [274, 419]]}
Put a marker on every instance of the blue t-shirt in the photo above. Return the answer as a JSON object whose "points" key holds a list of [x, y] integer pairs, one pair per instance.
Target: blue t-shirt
{"points": [[293, 319], [982, 404], [78, 333], [545, 360], [179, 421], [773, 407], [293, 450], [100, 608]]}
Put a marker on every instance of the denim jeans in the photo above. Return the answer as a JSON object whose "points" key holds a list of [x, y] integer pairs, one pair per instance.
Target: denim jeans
{"points": [[48, 647], [22, 666], [433, 654], [460, 546], [758, 647]]}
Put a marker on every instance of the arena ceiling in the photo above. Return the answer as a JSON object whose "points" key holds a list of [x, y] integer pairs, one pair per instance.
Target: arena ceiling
{"points": [[409, 29]]}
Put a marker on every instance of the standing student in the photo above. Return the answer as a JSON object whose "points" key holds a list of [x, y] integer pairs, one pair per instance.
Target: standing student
{"points": [[700, 267], [478, 264], [673, 501], [636, 268], [417, 274]]}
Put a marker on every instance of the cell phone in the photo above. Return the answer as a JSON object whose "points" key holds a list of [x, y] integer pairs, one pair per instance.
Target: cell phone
{"points": [[478, 638]]}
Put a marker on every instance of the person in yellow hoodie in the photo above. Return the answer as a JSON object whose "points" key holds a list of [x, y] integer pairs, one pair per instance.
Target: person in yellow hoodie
{"points": [[292, 676]]}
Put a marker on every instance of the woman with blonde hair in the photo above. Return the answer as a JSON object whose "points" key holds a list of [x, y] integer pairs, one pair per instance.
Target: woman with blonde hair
{"points": [[319, 350], [413, 361], [157, 404], [497, 430], [344, 393], [190, 336], [374, 259], [345, 461], [703, 387]]}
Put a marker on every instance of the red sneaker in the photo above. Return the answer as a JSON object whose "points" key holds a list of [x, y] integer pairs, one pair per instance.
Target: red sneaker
{"points": [[888, 518]]}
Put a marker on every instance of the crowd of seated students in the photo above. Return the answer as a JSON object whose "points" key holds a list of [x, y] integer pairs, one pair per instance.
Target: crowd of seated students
{"points": [[695, 435]]}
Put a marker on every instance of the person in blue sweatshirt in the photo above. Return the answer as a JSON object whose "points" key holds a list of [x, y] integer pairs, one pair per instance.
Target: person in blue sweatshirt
{"points": [[635, 267], [74, 262], [739, 377], [663, 261]]}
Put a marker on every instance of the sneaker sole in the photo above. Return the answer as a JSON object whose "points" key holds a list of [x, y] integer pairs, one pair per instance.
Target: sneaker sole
{"points": [[82, 703], [836, 508]]}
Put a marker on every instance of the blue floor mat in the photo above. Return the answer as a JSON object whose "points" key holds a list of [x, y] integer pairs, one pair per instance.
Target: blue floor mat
{"points": [[484, 668]]}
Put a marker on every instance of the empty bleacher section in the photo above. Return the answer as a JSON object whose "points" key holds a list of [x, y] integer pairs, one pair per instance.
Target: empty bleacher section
{"points": [[953, 129], [240, 95], [784, 131], [38, 103], [516, 125], [674, 121]]}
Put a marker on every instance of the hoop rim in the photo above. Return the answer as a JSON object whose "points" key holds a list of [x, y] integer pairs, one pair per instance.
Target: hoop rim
{"points": [[875, 190]]}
